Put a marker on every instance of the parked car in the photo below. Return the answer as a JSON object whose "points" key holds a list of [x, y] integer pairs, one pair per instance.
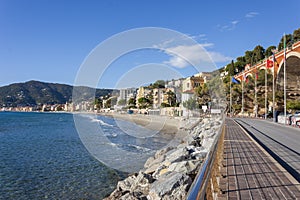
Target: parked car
{"points": [[295, 120]]}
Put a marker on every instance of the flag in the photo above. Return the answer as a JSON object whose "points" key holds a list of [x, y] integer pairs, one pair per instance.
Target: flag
{"points": [[233, 80], [269, 63], [255, 75]]}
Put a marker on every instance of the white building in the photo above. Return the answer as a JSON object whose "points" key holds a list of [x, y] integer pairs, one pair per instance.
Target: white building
{"points": [[127, 93], [177, 86]]}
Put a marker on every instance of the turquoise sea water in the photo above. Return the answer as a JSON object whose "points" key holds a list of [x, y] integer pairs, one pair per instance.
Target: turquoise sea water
{"points": [[42, 157]]}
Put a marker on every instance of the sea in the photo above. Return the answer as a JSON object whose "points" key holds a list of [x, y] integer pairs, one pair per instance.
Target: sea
{"points": [[48, 156]]}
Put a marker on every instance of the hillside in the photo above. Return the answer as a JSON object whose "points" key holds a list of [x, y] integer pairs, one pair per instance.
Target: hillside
{"points": [[33, 93]]}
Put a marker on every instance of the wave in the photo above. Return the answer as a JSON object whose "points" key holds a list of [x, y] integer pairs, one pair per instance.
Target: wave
{"points": [[139, 148], [101, 122]]}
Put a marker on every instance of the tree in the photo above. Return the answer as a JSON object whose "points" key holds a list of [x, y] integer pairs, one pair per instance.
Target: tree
{"points": [[131, 103], [107, 103], [203, 94], [171, 96], [230, 68], [248, 57], [258, 54], [158, 84], [289, 41], [98, 103], [191, 104], [143, 102], [296, 35], [122, 102], [268, 52], [110, 102], [240, 64], [163, 105]]}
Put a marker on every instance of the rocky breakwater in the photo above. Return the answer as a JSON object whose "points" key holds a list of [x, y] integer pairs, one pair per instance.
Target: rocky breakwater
{"points": [[171, 171]]}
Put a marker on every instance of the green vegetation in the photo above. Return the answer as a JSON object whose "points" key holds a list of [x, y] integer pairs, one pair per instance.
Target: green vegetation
{"points": [[256, 55], [191, 104], [144, 102], [293, 105], [202, 92], [157, 84], [122, 102], [171, 96], [131, 103], [253, 57], [34, 93]]}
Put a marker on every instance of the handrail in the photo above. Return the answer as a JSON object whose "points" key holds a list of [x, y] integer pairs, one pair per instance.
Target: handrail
{"points": [[198, 188]]}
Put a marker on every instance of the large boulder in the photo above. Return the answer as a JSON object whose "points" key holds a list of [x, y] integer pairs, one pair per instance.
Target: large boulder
{"points": [[141, 184], [168, 184], [186, 167], [125, 185]]}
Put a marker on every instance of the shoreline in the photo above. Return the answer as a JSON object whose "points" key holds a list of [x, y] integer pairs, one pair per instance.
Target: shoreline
{"points": [[176, 127], [159, 123], [171, 171]]}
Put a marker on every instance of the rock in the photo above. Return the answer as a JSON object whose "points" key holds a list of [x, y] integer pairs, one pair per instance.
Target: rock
{"points": [[178, 155], [163, 151], [168, 174], [186, 167], [163, 171], [152, 169], [116, 194], [141, 183], [199, 155], [158, 172], [205, 120], [196, 142], [149, 162], [152, 161], [178, 193], [207, 142], [167, 184], [128, 197], [125, 185]]}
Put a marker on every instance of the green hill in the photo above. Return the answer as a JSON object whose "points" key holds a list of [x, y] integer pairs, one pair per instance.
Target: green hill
{"points": [[33, 93]]}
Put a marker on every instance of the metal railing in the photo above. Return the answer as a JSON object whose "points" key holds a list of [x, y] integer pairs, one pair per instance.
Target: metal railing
{"points": [[199, 186]]}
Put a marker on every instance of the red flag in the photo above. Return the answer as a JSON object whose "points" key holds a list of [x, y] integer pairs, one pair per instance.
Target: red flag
{"points": [[269, 63]]}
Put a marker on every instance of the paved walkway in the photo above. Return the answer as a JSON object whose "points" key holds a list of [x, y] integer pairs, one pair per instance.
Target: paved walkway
{"points": [[282, 142], [250, 173]]}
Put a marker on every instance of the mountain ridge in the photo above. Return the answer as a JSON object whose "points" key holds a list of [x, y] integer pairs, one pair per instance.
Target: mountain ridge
{"points": [[32, 93]]}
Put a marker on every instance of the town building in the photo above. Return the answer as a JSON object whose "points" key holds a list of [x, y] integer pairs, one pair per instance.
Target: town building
{"points": [[127, 93]]}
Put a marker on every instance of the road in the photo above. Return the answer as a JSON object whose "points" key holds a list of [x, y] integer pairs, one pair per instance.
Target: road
{"points": [[282, 142]]}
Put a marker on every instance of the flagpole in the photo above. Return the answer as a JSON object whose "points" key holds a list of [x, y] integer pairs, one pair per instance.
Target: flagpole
{"points": [[284, 78], [274, 87], [255, 92], [266, 92], [230, 98], [243, 95]]}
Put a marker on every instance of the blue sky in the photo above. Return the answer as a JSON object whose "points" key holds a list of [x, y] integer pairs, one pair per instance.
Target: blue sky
{"points": [[48, 40]]}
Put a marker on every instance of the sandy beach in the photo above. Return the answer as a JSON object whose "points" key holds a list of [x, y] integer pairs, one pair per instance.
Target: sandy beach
{"points": [[163, 124]]}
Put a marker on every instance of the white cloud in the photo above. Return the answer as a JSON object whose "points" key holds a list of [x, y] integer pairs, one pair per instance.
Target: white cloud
{"points": [[251, 14], [228, 27], [185, 55], [201, 37], [235, 22]]}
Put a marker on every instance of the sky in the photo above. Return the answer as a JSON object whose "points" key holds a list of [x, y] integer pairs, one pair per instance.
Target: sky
{"points": [[55, 40]]}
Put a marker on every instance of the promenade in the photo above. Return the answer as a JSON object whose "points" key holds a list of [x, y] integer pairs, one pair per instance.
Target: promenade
{"points": [[249, 171]]}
